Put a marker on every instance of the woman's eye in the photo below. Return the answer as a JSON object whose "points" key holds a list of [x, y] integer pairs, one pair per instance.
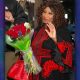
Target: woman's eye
{"points": [[48, 13], [51, 13], [44, 12]]}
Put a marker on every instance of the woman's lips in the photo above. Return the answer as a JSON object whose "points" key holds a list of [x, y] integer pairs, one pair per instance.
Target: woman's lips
{"points": [[45, 20]]}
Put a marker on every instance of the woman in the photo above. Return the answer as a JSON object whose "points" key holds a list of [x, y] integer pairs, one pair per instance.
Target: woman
{"points": [[51, 43]]}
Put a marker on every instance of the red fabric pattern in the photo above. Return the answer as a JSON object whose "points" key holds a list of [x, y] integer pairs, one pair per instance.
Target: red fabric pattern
{"points": [[17, 71], [50, 66], [62, 47]]}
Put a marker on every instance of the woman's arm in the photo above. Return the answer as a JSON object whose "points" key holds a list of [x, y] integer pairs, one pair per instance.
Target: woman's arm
{"points": [[66, 50]]}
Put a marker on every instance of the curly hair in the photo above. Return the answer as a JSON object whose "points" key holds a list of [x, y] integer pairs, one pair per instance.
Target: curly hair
{"points": [[57, 9]]}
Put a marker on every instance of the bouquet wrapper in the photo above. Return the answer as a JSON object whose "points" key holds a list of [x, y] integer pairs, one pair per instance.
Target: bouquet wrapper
{"points": [[23, 44], [31, 63], [19, 44]]}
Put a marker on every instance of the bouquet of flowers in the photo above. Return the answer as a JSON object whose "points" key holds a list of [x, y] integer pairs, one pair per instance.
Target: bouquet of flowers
{"points": [[18, 36]]}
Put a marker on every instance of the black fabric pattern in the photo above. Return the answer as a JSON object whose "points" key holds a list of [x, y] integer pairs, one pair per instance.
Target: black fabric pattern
{"points": [[56, 56], [63, 34], [49, 44], [64, 54]]}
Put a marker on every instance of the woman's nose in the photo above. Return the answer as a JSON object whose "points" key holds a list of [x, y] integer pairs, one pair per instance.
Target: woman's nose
{"points": [[46, 16]]}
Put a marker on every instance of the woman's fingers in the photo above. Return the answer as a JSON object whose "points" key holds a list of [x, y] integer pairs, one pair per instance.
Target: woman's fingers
{"points": [[47, 32], [50, 26], [52, 31]]}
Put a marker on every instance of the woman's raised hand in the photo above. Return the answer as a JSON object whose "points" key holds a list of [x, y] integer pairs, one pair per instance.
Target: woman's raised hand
{"points": [[51, 31]]}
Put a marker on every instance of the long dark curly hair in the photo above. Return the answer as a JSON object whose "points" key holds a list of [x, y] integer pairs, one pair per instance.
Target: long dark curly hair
{"points": [[58, 10]]}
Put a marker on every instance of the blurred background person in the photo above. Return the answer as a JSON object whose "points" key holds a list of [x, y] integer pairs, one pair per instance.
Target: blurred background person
{"points": [[14, 14]]}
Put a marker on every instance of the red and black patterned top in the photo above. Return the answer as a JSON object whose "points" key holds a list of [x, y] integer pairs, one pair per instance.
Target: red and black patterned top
{"points": [[54, 58]]}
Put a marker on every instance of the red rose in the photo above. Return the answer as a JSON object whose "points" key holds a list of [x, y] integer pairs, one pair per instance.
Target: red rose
{"points": [[17, 31]]}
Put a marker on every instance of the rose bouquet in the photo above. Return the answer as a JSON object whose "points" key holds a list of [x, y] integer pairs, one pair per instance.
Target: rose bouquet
{"points": [[18, 36]]}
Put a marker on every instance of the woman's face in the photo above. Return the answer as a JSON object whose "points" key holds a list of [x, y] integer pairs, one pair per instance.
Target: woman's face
{"points": [[47, 15]]}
